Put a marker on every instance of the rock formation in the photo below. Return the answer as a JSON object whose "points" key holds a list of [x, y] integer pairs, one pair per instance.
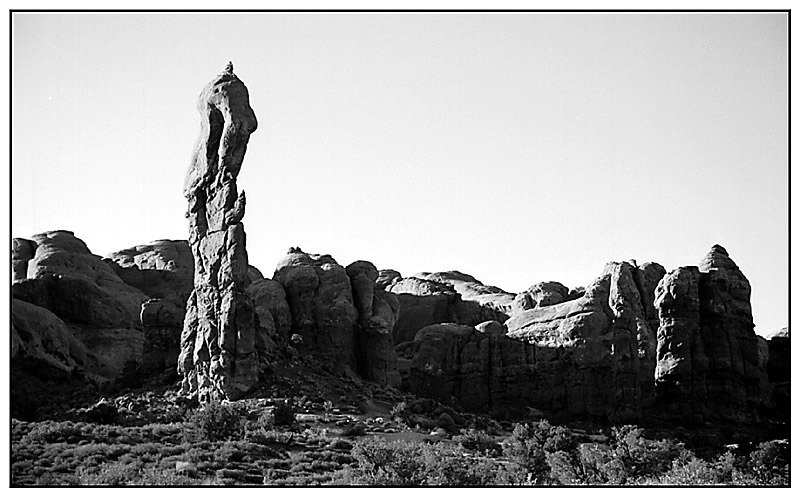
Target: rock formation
{"points": [[590, 357], [321, 302], [444, 297], [218, 353], [65, 277], [709, 366], [378, 311], [162, 270], [73, 320]]}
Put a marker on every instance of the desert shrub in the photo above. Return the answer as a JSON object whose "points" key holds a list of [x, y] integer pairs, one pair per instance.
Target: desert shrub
{"points": [[357, 429], [380, 462], [216, 421], [479, 441], [111, 474], [590, 463], [445, 421], [641, 457], [283, 413], [406, 463], [527, 450], [768, 465], [401, 413], [692, 471]]}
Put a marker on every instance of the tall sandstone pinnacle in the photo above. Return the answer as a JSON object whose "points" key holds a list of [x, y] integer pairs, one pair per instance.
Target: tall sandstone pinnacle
{"points": [[218, 356]]}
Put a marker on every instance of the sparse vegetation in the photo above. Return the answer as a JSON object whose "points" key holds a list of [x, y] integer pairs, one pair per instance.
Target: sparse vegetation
{"points": [[267, 442]]}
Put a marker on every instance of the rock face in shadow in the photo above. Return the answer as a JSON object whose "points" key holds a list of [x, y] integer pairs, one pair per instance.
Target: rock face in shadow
{"points": [[779, 371], [709, 365], [163, 270], [320, 299], [76, 285], [218, 353], [341, 315], [444, 297], [378, 311], [71, 313]]}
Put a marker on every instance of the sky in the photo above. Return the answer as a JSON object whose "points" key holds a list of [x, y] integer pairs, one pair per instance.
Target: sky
{"points": [[517, 148]]}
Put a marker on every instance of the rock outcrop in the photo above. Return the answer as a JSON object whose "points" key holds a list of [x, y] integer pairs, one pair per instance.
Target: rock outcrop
{"points": [[444, 297], [378, 311], [163, 270], [540, 295], [709, 366], [72, 295], [590, 357], [779, 372], [320, 298], [76, 285], [218, 345], [342, 316]]}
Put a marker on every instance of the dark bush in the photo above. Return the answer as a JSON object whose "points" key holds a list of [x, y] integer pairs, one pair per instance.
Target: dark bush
{"points": [[480, 442], [284, 413], [217, 421]]}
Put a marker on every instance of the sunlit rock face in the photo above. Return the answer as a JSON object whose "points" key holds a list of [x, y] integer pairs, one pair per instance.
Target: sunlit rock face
{"points": [[218, 356]]}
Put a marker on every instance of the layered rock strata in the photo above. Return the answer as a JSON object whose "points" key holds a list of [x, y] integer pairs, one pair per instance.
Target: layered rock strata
{"points": [[218, 356]]}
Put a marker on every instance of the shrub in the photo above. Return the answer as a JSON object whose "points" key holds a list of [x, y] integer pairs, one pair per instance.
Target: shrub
{"points": [[767, 465], [283, 413], [479, 441], [354, 430], [527, 450], [641, 457], [216, 421], [407, 463], [401, 413]]}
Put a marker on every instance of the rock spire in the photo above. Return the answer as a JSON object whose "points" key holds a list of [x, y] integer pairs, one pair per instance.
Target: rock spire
{"points": [[218, 355]]}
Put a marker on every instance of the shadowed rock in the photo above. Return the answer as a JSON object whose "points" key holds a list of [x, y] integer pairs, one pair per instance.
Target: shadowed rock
{"points": [[320, 299], [709, 362]]}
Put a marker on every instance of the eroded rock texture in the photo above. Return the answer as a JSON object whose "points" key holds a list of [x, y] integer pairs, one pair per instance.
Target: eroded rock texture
{"points": [[444, 297], [378, 311], [218, 345], [590, 357], [709, 364], [163, 270], [74, 322]]}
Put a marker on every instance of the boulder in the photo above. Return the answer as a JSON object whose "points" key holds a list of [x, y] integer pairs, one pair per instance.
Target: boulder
{"points": [[540, 295], [218, 356]]}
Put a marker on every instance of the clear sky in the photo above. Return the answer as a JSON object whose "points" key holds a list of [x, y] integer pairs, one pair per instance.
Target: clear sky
{"points": [[518, 148]]}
